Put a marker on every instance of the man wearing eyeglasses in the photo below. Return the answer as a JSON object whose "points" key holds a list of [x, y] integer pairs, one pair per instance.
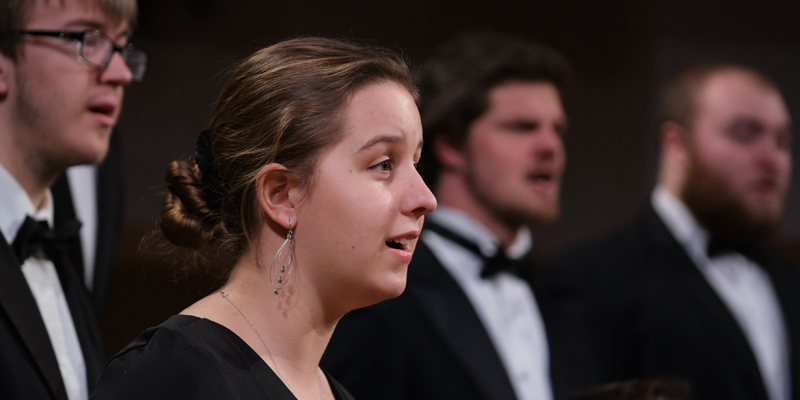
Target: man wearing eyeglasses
{"points": [[63, 68]]}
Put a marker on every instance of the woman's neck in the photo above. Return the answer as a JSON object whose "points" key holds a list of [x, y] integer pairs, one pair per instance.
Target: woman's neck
{"points": [[289, 330]]}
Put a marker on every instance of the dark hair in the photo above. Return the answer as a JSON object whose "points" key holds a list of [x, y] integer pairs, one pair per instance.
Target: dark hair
{"points": [[456, 81], [14, 15], [283, 104], [679, 97], [645, 389]]}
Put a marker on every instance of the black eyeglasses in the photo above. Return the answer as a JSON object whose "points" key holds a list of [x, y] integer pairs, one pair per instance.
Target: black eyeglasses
{"points": [[96, 49]]}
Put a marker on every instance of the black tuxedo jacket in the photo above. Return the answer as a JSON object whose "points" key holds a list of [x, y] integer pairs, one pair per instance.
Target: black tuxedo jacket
{"points": [[430, 344], [28, 366], [652, 312], [109, 219]]}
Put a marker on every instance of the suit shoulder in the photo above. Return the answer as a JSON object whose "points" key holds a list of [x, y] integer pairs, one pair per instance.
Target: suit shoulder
{"points": [[606, 261], [608, 250], [783, 267], [783, 260]]}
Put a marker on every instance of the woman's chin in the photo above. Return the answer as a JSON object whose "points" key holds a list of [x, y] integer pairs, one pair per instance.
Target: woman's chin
{"points": [[395, 289], [396, 284], [389, 288]]}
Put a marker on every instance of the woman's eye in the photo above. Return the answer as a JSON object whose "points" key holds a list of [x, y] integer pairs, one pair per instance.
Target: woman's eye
{"points": [[385, 165]]}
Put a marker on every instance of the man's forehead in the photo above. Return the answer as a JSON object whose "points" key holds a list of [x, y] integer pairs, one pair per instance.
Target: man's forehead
{"points": [[76, 14], [525, 97], [735, 92]]}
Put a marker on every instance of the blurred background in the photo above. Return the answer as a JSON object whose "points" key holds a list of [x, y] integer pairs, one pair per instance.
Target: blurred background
{"points": [[621, 51]]}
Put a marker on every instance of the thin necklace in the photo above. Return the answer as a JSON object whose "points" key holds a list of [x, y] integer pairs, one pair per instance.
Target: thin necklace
{"points": [[278, 367]]}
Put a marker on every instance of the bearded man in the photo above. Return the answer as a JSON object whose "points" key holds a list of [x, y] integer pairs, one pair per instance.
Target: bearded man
{"points": [[689, 289]]}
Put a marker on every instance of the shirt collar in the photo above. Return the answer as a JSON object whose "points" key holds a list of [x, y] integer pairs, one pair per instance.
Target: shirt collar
{"points": [[680, 222], [460, 223], [16, 205]]}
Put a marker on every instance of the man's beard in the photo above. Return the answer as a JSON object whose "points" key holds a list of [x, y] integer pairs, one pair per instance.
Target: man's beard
{"points": [[510, 214], [721, 211]]}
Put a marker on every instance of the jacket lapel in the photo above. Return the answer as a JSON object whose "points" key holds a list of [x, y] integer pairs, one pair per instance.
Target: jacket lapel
{"points": [[109, 218], [19, 304], [82, 317], [70, 268], [64, 210], [785, 276], [449, 311], [572, 360], [671, 255]]}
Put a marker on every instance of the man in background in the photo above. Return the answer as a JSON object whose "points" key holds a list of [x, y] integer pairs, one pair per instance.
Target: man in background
{"points": [[689, 289], [471, 324], [63, 68]]}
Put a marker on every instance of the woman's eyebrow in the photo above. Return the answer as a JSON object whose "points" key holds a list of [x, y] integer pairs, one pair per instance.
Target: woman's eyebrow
{"points": [[388, 139]]}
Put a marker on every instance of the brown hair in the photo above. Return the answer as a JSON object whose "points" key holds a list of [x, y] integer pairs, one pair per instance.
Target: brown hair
{"points": [[679, 98], [14, 15], [455, 83], [283, 104]]}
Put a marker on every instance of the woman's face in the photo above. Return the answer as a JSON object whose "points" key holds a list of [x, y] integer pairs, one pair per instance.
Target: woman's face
{"points": [[359, 224]]}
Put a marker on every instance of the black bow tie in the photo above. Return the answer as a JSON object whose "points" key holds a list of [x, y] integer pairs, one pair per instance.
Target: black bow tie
{"points": [[491, 265], [35, 235], [718, 247]]}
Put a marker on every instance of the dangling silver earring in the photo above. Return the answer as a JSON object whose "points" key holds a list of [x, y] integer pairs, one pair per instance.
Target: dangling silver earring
{"points": [[286, 270]]}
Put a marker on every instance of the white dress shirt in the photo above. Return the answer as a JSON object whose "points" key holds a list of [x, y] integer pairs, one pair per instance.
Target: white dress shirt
{"points": [[83, 188], [42, 278], [744, 287], [504, 303]]}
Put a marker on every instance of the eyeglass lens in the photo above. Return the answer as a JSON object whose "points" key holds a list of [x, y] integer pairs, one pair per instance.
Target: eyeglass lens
{"points": [[97, 49]]}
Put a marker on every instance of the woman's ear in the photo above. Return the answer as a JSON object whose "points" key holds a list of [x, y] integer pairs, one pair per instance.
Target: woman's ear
{"points": [[278, 191]]}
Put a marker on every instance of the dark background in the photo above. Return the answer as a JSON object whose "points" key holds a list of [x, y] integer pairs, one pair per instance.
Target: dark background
{"points": [[621, 51]]}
